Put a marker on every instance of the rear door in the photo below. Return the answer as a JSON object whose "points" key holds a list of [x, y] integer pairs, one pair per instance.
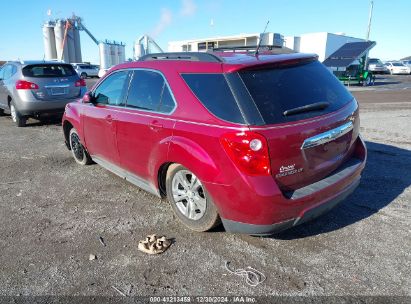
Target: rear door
{"points": [[55, 81], [145, 122], [311, 120], [99, 119]]}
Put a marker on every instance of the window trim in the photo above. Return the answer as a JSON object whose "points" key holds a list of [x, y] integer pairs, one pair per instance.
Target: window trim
{"points": [[165, 81]]}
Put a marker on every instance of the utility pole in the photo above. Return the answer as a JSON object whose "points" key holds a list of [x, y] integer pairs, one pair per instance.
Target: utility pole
{"points": [[368, 31], [369, 20]]}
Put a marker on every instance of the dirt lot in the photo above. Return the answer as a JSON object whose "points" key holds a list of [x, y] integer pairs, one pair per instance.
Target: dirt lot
{"points": [[52, 213]]}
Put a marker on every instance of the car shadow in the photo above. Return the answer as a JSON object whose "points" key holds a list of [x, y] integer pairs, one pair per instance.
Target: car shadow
{"points": [[45, 121], [386, 175], [381, 83]]}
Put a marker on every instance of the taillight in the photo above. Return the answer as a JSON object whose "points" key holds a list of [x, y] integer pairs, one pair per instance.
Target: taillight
{"points": [[249, 151], [26, 85], [80, 83]]}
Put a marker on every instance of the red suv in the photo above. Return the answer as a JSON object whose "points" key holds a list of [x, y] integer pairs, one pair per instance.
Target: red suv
{"points": [[259, 142]]}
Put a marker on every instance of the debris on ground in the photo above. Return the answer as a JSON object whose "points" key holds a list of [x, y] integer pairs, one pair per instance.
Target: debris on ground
{"points": [[154, 244], [119, 291], [252, 276], [92, 257], [102, 241]]}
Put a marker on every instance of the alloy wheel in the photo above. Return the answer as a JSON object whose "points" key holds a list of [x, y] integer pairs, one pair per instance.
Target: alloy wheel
{"points": [[188, 194]]}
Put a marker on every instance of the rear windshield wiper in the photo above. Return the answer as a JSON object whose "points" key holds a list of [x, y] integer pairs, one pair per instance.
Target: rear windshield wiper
{"points": [[311, 107]]}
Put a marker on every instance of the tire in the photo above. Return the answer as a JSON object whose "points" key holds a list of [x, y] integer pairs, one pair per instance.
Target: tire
{"points": [[1, 112], [204, 216], [367, 81], [17, 118], [83, 75], [78, 151]]}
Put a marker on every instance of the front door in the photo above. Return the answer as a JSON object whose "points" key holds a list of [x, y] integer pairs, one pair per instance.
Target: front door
{"points": [[99, 118]]}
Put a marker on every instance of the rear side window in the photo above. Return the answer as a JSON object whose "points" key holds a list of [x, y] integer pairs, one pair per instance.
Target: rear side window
{"points": [[149, 91], [279, 89], [215, 94], [49, 70]]}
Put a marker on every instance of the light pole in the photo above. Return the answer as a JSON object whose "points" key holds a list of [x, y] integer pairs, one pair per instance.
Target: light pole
{"points": [[368, 31]]}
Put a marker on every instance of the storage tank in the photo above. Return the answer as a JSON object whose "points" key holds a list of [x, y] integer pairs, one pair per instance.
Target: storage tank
{"points": [[77, 45], [113, 54], [62, 50], [70, 45], [121, 53], [49, 40], [105, 55]]}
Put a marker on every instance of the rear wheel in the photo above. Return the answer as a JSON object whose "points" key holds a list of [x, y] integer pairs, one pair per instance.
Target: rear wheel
{"points": [[190, 200], [367, 81], [17, 118], [1, 112], [80, 154]]}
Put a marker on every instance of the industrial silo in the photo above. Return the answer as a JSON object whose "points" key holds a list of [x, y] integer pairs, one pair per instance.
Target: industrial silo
{"points": [[105, 56], [121, 53], [70, 45], [77, 45], [50, 51], [113, 54], [62, 50]]}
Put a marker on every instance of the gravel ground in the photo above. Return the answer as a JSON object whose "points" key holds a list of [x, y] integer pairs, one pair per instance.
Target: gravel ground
{"points": [[52, 213]]}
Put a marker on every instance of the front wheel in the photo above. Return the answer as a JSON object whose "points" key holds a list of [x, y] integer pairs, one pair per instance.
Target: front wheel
{"points": [[17, 118], [83, 75], [190, 200], [80, 154]]}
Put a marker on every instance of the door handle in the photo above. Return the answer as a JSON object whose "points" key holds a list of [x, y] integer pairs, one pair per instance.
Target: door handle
{"points": [[109, 118], [155, 125]]}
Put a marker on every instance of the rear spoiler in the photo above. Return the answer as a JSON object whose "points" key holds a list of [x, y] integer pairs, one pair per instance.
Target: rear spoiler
{"points": [[275, 61]]}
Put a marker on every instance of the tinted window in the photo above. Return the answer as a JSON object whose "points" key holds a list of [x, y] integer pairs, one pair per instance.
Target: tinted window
{"points": [[111, 90], [49, 70], [8, 71], [215, 94], [149, 91], [277, 90]]}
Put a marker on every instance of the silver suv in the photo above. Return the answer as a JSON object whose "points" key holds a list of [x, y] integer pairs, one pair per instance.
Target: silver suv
{"points": [[36, 88], [85, 70]]}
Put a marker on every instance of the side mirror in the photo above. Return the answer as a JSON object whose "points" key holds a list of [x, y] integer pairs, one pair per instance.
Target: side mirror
{"points": [[89, 98]]}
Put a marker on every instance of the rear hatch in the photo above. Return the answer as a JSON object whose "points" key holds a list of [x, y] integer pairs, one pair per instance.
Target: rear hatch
{"points": [[310, 120], [54, 81]]}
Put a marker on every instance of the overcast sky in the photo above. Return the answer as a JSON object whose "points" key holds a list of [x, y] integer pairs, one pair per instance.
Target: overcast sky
{"points": [[21, 21]]}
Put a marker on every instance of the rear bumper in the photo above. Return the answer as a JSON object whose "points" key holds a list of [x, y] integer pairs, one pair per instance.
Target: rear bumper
{"points": [[40, 107], [305, 216], [256, 205]]}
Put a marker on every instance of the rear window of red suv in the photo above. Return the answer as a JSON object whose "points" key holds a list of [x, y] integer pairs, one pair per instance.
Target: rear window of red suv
{"points": [[276, 90]]}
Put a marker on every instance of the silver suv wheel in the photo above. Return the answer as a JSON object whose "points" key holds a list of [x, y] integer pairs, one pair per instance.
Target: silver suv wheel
{"points": [[188, 194]]}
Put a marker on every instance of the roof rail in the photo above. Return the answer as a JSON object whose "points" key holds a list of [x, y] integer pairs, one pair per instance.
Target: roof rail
{"points": [[189, 56], [251, 48]]}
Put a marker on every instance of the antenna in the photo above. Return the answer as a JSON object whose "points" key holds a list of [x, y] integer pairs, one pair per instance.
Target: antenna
{"points": [[261, 38]]}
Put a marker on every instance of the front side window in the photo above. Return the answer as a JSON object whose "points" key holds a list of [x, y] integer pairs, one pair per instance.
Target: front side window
{"points": [[149, 91], [111, 90]]}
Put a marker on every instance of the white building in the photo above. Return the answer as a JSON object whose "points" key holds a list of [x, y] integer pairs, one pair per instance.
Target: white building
{"points": [[242, 40], [323, 44]]}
